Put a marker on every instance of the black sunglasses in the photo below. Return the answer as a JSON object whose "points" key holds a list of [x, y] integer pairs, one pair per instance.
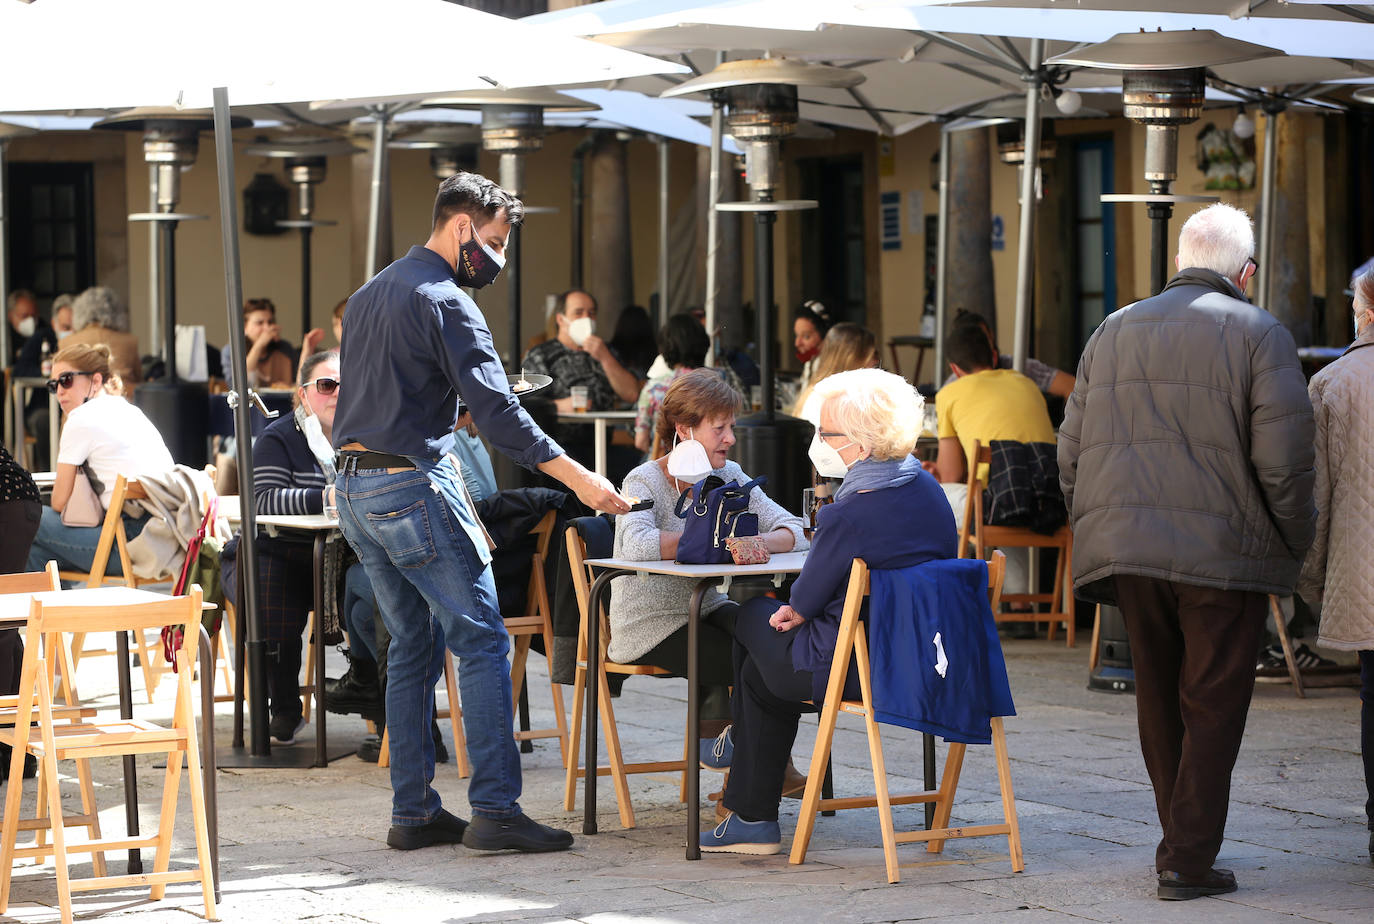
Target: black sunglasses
{"points": [[64, 380], [324, 385]]}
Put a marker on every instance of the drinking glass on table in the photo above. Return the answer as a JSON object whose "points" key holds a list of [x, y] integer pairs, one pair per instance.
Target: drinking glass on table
{"points": [[581, 396], [756, 397]]}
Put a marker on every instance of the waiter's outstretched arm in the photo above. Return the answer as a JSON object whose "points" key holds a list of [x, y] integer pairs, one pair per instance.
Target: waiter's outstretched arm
{"points": [[591, 489]]}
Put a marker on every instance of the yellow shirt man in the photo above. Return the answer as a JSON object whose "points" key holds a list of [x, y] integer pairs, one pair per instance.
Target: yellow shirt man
{"points": [[994, 404]]}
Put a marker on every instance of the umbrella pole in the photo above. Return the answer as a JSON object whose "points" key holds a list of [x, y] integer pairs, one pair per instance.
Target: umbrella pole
{"points": [[380, 168], [513, 180], [4, 263], [305, 282], [941, 259], [663, 309], [154, 263], [713, 217], [1268, 194], [763, 304], [243, 427], [1030, 166]]}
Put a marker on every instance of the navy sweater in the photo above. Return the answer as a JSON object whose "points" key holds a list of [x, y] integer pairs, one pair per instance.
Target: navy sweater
{"points": [[888, 528], [286, 478]]}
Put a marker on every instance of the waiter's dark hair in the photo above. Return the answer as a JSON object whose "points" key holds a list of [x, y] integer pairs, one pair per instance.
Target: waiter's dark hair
{"points": [[477, 197]]}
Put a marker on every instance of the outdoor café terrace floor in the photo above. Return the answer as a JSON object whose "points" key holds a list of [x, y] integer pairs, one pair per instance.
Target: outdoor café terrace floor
{"points": [[309, 845]]}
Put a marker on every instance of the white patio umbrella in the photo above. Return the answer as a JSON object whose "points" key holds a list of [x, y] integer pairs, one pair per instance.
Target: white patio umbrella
{"points": [[274, 51]]}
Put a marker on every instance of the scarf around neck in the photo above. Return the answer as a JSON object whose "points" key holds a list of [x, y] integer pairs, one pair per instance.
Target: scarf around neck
{"points": [[874, 474]]}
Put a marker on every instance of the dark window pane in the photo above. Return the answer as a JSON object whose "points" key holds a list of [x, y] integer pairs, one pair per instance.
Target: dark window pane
{"points": [[42, 239], [43, 276], [66, 276], [64, 239], [40, 197], [64, 202]]}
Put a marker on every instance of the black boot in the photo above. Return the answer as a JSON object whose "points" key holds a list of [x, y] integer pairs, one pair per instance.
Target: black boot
{"points": [[357, 691], [284, 691]]}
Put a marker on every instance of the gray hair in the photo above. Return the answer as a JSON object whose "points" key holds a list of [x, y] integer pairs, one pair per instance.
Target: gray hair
{"points": [[1364, 296], [18, 295], [878, 410], [100, 305], [1219, 237], [62, 301]]}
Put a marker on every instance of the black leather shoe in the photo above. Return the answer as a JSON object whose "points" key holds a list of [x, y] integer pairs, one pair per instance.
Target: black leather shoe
{"points": [[518, 833], [1175, 887], [371, 748], [444, 829]]}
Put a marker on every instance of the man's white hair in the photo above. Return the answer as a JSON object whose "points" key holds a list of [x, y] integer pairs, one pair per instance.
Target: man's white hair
{"points": [[1219, 237]]}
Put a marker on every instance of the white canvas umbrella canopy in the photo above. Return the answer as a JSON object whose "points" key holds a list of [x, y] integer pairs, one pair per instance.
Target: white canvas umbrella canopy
{"points": [[195, 52]]}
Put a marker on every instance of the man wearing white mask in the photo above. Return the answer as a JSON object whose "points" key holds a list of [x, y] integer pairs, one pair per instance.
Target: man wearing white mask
{"points": [[22, 308], [415, 342], [577, 356]]}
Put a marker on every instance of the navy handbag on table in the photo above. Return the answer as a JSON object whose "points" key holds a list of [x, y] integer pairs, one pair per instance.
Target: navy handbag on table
{"points": [[714, 511]]}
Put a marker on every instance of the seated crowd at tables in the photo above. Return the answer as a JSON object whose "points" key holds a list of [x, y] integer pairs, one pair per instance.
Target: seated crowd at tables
{"points": [[763, 661]]}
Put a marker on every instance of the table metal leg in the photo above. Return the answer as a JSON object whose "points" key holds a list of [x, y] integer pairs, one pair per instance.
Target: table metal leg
{"points": [[321, 757], [928, 752], [206, 659], [126, 711], [591, 697], [693, 720], [54, 418], [240, 650], [600, 452]]}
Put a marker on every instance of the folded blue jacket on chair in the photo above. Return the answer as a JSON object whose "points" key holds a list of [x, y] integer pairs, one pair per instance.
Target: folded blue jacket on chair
{"points": [[937, 662]]}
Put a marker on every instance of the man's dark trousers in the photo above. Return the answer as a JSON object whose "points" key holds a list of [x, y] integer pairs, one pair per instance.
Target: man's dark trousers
{"points": [[1194, 654]]}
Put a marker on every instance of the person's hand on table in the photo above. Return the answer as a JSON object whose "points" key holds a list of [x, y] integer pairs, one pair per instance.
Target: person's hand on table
{"points": [[786, 618], [329, 496]]}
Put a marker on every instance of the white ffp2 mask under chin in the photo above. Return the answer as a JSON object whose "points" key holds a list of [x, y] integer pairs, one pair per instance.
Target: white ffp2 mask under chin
{"points": [[826, 458], [319, 444], [580, 329], [688, 460]]}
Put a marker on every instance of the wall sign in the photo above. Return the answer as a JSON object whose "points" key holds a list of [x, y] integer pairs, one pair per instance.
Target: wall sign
{"points": [[890, 204]]}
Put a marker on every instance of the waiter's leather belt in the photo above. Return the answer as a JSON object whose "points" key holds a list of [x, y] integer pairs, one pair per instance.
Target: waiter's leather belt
{"points": [[352, 460]]}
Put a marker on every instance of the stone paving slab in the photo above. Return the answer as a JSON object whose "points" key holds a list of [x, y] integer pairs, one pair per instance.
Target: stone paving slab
{"points": [[309, 845]]}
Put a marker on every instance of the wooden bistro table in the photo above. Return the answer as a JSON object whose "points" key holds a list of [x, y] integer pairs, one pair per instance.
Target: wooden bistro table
{"points": [[14, 613], [780, 564], [601, 419], [323, 529]]}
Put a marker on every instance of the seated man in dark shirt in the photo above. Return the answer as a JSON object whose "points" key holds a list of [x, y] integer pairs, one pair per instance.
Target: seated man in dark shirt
{"points": [[577, 356]]}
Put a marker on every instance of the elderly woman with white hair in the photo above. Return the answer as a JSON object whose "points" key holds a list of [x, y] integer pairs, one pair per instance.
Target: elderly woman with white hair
{"points": [[99, 316], [889, 512], [1337, 572]]}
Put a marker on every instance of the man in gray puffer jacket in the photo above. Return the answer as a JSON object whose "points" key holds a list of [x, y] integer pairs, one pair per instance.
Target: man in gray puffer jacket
{"points": [[1186, 459]]}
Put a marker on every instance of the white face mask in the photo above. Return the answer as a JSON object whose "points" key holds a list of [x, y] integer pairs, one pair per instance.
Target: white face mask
{"points": [[319, 444], [581, 329], [688, 460], [27, 326], [827, 459], [63, 334]]}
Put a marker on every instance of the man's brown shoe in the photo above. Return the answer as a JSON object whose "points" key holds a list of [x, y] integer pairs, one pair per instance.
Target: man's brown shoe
{"points": [[1175, 887], [793, 782]]}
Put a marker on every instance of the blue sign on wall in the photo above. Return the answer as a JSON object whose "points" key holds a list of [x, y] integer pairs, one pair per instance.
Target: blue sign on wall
{"points": [[890, 204], [999, 233]]}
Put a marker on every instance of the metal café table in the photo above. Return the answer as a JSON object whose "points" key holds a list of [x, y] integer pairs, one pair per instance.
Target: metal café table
{"points": [[14, 613], [322, 529], [600, 419], [780, 564]]}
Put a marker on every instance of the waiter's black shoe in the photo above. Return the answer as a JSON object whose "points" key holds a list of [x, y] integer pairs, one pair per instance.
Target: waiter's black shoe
{"points": [[519, 833], [1175, 887], [444, 829]]}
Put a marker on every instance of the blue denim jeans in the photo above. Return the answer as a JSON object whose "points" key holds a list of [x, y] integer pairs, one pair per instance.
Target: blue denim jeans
{"points": [[433, 588], [358, 606], [73, 547]]}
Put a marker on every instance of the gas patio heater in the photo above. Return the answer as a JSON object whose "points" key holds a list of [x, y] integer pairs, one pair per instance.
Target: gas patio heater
{"points": [[513, 126], [452, 148], [1164, 76], [306, 163], [171, 140], [760, 97]]}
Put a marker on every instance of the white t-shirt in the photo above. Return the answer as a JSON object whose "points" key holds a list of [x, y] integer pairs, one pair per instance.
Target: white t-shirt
{"points": [[113, 438]]}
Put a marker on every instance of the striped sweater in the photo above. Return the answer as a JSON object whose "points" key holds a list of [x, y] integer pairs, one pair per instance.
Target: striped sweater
{"points": [[286, 478]]}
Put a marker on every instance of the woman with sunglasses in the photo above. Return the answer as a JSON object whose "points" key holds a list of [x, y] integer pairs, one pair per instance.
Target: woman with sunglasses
{"points": [[104, 436], [293, 473]]}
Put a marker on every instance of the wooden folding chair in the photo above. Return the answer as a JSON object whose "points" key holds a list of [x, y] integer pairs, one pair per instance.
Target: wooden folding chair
{"points": [[979, 536], [52, 741], [113, 538], [453, 712], [537, 620], [38, 582], [618, 769], [853, 640]]}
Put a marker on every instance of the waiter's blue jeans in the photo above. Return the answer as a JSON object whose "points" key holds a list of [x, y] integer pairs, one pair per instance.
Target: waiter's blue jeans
{"points": [[432, 588]]}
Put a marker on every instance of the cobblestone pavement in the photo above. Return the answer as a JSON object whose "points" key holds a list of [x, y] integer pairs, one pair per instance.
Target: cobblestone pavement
{"points": [[309, 845]]}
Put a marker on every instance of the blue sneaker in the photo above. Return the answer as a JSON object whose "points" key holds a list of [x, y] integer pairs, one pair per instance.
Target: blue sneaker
{"points": [[734, 835], [715, 753]]}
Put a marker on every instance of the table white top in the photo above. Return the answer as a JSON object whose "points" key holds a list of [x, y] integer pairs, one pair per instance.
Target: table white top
{"points": [[593, 416], [44, 479], [15, 607], [310, 522], [779, 563]]}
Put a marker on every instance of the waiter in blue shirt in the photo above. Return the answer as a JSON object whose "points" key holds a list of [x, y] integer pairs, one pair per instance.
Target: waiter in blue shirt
{"points": [[414, 343]]}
